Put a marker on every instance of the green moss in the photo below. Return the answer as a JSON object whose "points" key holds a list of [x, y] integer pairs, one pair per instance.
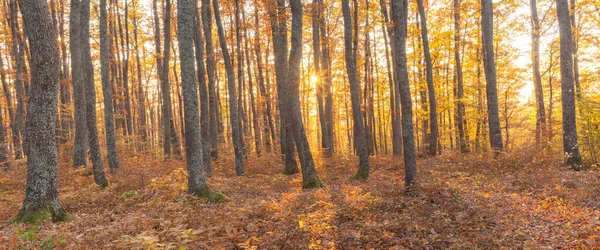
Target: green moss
{"points": [[312, 182], [36, 217], [211, 196], [361, 175]]}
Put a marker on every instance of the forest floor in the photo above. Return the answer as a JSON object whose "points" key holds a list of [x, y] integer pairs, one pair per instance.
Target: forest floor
{"points": [[523, 200]]}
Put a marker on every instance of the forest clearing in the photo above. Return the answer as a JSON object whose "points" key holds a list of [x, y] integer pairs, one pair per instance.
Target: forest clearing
{"points": [[525, 200]]}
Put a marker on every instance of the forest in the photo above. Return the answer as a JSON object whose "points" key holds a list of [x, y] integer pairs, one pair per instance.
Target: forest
{"points": [[299, 124]]}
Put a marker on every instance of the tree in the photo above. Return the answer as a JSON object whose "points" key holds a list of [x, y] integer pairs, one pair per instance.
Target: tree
{"points": [[41, 195], [107, 91], [80, 147], [359, 127], [204, 109], [487, 30], [399, 16], [236, 132], [90, 95], [210, 70], [540, 123], [570, 146], [280, 50], [433, 136], [309, 173], [316, 40], [460, 116], [193, 144]]}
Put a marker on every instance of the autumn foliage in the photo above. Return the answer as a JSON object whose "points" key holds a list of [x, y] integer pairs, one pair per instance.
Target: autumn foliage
{"points": [[524, 199]]}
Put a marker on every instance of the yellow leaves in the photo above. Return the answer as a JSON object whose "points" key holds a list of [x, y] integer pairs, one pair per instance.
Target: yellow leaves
{"points": [[356, 199], [301, 224], [171, 185]]}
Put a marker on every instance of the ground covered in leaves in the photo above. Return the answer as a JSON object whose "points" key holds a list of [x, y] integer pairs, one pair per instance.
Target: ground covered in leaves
{"points": [[523, 200]]}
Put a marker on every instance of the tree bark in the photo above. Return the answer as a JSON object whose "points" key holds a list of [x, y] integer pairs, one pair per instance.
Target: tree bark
{"points": [[80, 147], [433, 133], [210, 69], [264, 97], [309, 173], [570, 144], [107, 91], [193, 142], [280, 50], [90, 95], [236, 133], [41, 194], [359, 129], [204, 109], [491, 89], [462, 142], [399, 15]]}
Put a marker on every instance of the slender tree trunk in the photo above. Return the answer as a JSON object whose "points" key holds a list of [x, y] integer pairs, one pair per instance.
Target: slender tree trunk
{"points": [[41, 194], [253, 109], [210, 69], [359, 129], [140, 87], [570, 146], [461, 122], [399, 14], [265, 106], [309, 173], [236, 133], [327, 79], [90, 95], [316, 40], [433, 136], [107, 91], [128, 117], [18, 48], [490, 76], [186, 20], [540, 124], [204, 109], [280, 50], [80, 147]]}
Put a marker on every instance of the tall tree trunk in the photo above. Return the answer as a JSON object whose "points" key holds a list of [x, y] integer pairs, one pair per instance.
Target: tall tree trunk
{"points": [[140, 87], [80, 147], [570, 146], [462, 142], [399, 15], [265, 106], [18, 48], [575, 44], [193, 143], [41, 194], [90, 95], [170, 135], [309, 173], [253, 109], [316, 40], [433, 136], [236, 133], [359, 129], [210, 69], [540, 124], [107, 91], [326, 69], [280, 50], [128, 117], [204, 109], [487, 29]]}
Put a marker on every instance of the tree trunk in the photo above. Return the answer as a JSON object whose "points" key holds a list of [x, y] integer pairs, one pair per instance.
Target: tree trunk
{"points": [[570, 146], [491, 89], [326, 68], [309, 173], [359, 129], [280, 50], [236, 133], [433, 135], [41, 194], [90, 95], [461, 122], [80, 147], [193, 143], [204, 109], [140, 88], [210, 69], [540, 124], [107, 91], [399, 15], [264, 97]]}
